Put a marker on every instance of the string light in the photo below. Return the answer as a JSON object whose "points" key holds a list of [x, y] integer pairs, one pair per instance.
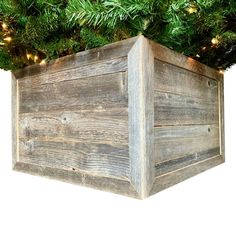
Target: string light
{"points": [[215, 41], [43, 62], [36, 58], [4, 26], [192, 10], [8, 39], [221, 72], [28, 56], [197, 55], [203, 48]]}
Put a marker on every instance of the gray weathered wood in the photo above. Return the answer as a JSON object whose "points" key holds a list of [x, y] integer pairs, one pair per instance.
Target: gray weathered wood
{"points": [[132, 117], [175, 109], [15, 120], [95, 158], [175, 164], [114, 185], [173, 142], [95, 69], [141, 115], [171, 178], [100, 92], [97, 126], [221, 117], [108, 52], [165, 54]]}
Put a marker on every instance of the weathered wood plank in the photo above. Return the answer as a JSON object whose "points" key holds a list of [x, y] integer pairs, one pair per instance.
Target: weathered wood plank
{"points": [[165, 54], [108, 52], [174, 109], [100, 68], [101, 92], [171, 178], [15, 120], [172, 79], [141, 116], [221, 118], [100, 159], [171, 165], [177, 141], [101, 126], [82, 178]]}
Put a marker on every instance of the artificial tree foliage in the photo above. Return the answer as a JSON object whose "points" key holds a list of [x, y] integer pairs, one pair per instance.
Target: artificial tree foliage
{"points": [[35, 31]]}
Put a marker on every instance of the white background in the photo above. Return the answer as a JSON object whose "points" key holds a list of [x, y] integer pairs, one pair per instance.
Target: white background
{"points": [[33, 206]]}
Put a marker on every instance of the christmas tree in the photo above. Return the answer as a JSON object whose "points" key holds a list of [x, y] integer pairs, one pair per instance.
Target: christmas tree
{"points": [[35, 31]]}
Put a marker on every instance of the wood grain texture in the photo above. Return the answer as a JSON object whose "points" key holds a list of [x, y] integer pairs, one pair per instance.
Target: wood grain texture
{"points": [[171, 178], [165, 54], [141, 116], [221, 117], [97, 126], [175, 109], [94, 158], [15, 120], [178, 163], [108, 52], [101, 92], [178, 141], [95, 69], [85, 179], [172, 79]]}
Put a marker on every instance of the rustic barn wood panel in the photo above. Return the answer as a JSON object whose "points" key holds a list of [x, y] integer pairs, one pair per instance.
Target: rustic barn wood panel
{"points": [[107, 91], [132, 117]]}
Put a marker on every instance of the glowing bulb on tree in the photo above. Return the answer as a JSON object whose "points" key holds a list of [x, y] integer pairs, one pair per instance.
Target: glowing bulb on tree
{"points": [[4, 26], [43, 62], [36, 58], [28, 56], [192, 10], [8, 39], [215, 41]]}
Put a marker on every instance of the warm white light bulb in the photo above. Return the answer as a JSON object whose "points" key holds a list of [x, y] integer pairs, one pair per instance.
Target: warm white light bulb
{"points": [[43, 62], [192, 10], [28, 56], [8, 39], [36, 58], [215, 41], [4, 26]]}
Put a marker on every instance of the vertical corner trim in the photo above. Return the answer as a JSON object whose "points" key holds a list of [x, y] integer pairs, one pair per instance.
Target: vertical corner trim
{"points": [[15, 111], [141, 116], [221, 117]]}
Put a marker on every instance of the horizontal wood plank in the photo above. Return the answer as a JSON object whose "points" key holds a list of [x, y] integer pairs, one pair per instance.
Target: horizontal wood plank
{"points": [[174, 142], [101, 92], [172, 79], [169, 179], [91, 70], [171, 165], [97, 126], [165, 54], [174, 109], [107, 52], [101, 159], [114, 185]]}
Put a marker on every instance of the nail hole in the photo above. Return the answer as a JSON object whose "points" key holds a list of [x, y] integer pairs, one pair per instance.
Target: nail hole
{"points": [[64, 118], [73, 168], [209, 130], [209, 83]]}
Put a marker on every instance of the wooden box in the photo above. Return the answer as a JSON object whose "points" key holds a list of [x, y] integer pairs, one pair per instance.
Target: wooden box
{"points": [[132, 117]]}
